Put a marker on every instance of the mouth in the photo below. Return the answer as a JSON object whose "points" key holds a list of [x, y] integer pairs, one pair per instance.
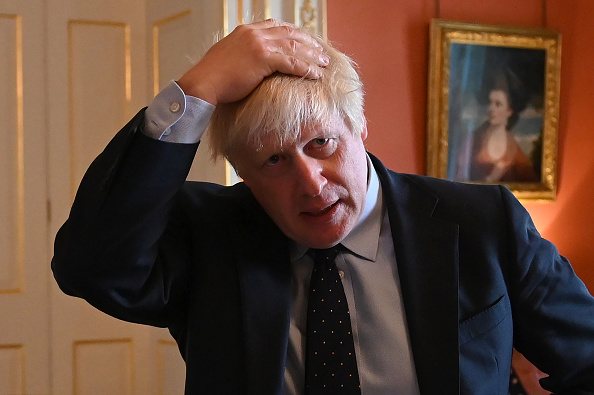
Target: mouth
{"points": [[319, 213]]}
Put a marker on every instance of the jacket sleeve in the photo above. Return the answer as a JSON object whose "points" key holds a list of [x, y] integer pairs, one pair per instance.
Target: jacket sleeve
{"points": [[553, 310], [111, 251]]}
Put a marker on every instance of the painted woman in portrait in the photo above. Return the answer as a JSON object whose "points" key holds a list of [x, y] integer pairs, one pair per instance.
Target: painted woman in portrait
{"points": [[496, 155]]}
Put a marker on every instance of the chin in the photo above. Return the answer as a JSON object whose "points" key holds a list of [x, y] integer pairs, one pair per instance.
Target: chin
{"points": [[320, 237], [324, 242]]}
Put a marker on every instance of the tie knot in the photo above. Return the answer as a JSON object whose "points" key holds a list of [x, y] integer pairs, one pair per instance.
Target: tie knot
{"points": [[326, 255]]}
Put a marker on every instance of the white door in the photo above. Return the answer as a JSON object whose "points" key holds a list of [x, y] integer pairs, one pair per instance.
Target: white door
{"points": [[24, 317], [97, 63], [106, 61]]}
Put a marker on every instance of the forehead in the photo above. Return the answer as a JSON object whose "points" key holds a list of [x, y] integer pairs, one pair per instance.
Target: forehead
{"points": [[330, 126], [275, 142], [498, 95]]}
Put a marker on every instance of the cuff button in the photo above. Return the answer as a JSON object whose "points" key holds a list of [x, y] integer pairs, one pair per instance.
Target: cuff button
{"points": [[174, 107]]}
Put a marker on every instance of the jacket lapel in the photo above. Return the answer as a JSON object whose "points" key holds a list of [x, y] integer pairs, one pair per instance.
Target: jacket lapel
{"points": [[427, 258], [265, 286]]}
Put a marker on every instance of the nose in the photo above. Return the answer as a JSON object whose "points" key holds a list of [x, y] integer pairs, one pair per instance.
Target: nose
{"points": [[309, 175]]}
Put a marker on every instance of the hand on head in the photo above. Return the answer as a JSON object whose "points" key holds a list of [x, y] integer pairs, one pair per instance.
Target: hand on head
{"points": [[235, 65]]}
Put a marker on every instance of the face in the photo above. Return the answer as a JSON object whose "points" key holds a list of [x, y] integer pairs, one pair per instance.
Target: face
{"points": [[499, 110], [313, 189]]}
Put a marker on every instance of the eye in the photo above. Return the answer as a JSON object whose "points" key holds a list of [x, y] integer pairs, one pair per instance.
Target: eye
{"points": [[321, 141], [273, 160], [322, 146]]}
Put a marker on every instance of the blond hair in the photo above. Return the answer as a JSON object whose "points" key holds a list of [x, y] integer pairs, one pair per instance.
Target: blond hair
{"points": [[282, 104]]}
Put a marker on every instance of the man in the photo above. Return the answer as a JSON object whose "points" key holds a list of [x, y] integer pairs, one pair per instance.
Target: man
{"points": [[442, 279]]}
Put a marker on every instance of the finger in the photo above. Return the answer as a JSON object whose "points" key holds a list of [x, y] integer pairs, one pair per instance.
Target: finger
{"points": [[308, 74], [295, 66], [282, 37], [300, 59], [293, 48], [268, 23], [289, 32]]}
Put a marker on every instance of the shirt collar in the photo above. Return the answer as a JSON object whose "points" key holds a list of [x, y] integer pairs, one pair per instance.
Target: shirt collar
{"points": [[363, 240]]}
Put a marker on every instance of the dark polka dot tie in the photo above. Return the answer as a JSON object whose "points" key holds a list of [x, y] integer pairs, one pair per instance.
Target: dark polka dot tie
{"points": [[330, 362]]}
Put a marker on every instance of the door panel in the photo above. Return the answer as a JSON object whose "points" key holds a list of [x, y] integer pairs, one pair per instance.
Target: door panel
{"points": [[24, 323], [96, 62]]}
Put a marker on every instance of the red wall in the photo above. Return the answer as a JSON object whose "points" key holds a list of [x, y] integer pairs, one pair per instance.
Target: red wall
{"points": [[389, 41]]}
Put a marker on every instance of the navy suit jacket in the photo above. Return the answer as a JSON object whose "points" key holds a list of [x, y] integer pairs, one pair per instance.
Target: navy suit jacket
{"points": [[207, 262]]}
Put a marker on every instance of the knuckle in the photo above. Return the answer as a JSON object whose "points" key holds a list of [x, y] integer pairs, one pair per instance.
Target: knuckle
{"points": [[250, 34], [241, 29], [253, 41], [294, 62], [288, 29], [293, 45], [260, 51]]}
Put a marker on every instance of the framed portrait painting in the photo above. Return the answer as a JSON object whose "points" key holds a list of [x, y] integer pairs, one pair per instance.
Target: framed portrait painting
{"points": [[493, 106]]}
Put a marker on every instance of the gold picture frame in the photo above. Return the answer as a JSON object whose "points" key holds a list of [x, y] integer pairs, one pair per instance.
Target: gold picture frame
{"points": [[493, 106]]}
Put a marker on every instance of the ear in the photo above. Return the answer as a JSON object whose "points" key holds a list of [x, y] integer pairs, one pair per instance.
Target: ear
{"points": [[364, 133]]}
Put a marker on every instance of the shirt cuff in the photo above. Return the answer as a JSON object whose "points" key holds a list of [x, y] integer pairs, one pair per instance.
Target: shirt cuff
{"points": [[174, 117]]}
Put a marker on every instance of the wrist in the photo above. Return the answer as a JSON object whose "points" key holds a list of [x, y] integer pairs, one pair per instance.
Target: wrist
{"points": [[203, 91]]}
